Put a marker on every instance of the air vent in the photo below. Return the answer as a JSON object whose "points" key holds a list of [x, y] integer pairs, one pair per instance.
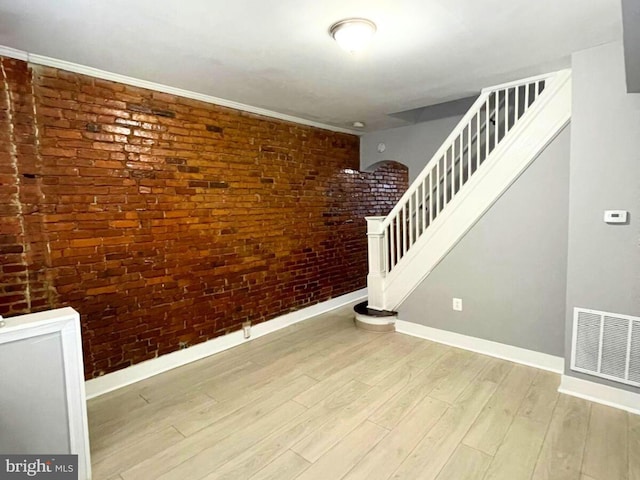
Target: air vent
{"points": [[606, 345]]}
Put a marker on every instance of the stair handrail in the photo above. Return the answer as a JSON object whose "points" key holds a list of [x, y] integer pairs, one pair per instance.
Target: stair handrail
{"points": [[522, 81], [489, 144], [456, 132]]}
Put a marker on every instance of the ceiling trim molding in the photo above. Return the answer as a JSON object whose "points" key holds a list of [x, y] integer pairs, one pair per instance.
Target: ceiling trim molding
{"points": [[13, 53], [136, 82]]}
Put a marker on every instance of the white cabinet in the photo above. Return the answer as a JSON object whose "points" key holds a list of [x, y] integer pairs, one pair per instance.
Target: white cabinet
{"points": [[42, 398]]}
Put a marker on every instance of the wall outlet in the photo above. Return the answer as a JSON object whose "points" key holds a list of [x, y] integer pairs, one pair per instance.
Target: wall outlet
{"points": [[246, 329], [457, 304]]}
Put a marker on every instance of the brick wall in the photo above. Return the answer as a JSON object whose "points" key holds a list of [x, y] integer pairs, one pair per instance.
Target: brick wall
{"points": [[23, 273], [166, 221]]}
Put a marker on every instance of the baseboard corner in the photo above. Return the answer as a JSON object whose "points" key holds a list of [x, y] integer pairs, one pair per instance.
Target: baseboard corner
{"points": [[599, 393]]}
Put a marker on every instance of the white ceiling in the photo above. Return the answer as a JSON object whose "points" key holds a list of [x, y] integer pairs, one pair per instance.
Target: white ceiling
{"points": [[278, 55]]}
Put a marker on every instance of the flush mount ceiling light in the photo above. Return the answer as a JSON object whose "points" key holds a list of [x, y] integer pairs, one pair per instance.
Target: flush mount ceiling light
{"points": [[353, 34]]}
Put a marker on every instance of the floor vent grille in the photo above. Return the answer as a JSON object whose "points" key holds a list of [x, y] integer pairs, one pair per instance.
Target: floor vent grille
{"points": [[606, 345]]}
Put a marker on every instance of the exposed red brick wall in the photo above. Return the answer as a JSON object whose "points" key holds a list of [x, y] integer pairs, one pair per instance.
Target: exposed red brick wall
{"points": [[166, 221], [23, 273]]}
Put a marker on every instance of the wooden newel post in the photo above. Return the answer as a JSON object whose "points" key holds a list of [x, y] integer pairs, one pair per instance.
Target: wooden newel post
{"points": [[377, 267]]}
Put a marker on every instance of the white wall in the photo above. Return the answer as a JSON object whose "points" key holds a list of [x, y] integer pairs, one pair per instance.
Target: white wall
{"points": [[413, 145]]}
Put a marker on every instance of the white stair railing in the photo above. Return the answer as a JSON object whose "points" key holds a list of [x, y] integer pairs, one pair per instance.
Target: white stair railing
{"points": [[479, 133]]}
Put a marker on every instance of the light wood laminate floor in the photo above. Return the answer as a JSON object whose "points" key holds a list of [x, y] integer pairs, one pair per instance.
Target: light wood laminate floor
{"points": [[323, 400]]}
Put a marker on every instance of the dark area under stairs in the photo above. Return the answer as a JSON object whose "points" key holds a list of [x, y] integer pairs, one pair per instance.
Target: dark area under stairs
{"points": [[363, 309]]}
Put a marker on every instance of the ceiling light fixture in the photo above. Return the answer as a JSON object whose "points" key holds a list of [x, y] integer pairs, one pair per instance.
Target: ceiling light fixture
{"points": [[358, 124], [353, 34]]}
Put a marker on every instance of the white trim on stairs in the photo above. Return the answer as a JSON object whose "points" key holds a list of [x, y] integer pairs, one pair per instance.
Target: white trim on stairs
{"points": [[523, 356], [121, 378], [535, 129], [136, 82], [598, 393]]}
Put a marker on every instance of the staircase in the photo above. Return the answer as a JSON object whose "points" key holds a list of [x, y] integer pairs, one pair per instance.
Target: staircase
{"points": [[495, 141]]}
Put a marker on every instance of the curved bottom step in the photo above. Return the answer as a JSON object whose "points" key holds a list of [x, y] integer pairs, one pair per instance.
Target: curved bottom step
{"points": [[381, 321], [372, 327]]}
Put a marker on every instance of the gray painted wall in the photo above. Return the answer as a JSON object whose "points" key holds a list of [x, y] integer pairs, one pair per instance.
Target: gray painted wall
{"points": [[413, 145], [510, 268], [631, 35], [604, 260]]}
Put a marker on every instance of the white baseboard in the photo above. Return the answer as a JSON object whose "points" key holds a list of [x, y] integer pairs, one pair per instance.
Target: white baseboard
{"points": [[486, 347], [121, 378], [598, 393]]}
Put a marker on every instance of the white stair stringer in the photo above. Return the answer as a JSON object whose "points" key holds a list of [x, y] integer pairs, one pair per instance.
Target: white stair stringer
{"points": [[528, 137]]}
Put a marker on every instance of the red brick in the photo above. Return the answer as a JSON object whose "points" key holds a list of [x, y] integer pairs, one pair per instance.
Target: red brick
{"points": [[169, 219]]}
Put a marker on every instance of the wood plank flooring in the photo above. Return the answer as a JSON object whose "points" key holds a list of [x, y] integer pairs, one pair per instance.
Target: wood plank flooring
{"points": [[323, 400]]}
